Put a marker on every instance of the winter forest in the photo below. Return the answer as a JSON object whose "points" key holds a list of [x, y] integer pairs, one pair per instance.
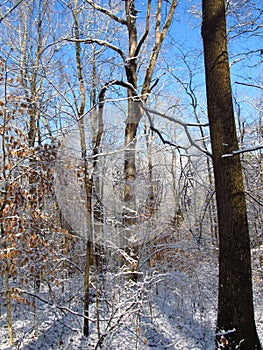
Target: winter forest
{"points": [[131, 174]]}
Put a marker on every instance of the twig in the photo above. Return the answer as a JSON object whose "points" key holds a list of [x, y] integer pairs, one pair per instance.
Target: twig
{"points": [[63, 308]]}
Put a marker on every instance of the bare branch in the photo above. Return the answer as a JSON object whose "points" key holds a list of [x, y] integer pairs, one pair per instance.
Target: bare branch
{"points": [[243, 150], [106, 12], [251, 85], [115, 82], [177, 121], [62, 308], [168, 19], [254, 199], [146, 32], [99, 42], [10, 10], [148, 111], [159, 37]]}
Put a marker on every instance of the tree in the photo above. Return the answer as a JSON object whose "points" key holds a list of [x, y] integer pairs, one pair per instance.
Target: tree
{"points": [[235, 303], [131, 61], [130, 64], [80, 92], [34, 57], [25, 225]]}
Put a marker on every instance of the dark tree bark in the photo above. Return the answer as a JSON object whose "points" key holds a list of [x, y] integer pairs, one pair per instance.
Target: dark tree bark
{"points": [[235, 304]]}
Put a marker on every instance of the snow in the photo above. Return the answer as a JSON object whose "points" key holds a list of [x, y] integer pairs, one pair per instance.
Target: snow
{"points": [[171, 307]]}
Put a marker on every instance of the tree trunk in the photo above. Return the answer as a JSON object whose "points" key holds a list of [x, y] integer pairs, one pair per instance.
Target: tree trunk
{"points": [[133, 118], [88, 182], [134, 110], [235, 303], [8, 302]]}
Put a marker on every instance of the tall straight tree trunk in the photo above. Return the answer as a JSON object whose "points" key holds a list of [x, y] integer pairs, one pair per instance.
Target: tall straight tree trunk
{"points": [[88, 182], [235, 304], [133, 117]]}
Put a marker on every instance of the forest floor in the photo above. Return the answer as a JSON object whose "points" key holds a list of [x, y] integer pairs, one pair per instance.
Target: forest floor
{"points": [[168, 308]]}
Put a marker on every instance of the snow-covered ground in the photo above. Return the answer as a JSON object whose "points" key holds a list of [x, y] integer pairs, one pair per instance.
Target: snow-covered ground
{"points": [[171, 307]]}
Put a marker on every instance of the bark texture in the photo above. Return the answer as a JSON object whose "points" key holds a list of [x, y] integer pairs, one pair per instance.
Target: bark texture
{"points": [[235, 304]]}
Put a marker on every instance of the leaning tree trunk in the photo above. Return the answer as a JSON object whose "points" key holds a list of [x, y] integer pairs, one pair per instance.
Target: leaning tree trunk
{"points": [[235, 304]]}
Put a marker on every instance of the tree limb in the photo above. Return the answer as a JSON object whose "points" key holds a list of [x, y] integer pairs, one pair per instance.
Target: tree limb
{"points": [[106, 12], [251, 85], [62, 308], [10, 10], [99, 42], [177, 121], [168, 19], [243, 150], [159, 37], [146, 32]]}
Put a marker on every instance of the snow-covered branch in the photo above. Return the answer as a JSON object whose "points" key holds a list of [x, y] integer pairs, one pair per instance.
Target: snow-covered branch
{"points": [[149, 111], [62, 308], [99, 42], [243, 150], [106, 12]]}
